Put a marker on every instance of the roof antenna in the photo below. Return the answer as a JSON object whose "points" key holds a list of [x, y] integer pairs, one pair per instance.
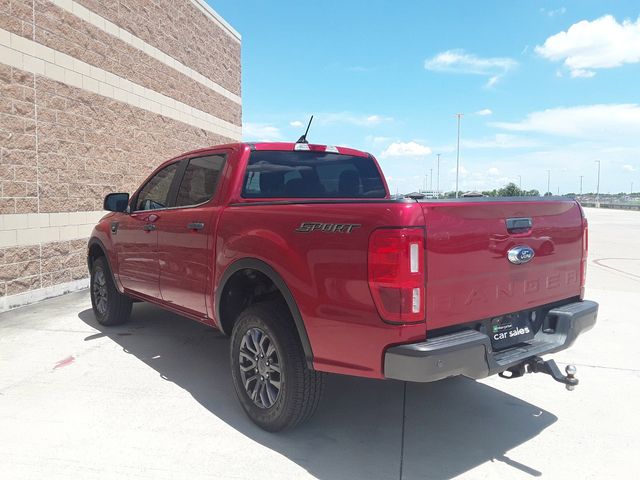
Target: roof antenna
{"points": [[303, 138]]}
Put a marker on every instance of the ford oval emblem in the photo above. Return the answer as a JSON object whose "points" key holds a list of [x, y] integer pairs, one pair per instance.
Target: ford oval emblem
{"points": [[520, 254]]}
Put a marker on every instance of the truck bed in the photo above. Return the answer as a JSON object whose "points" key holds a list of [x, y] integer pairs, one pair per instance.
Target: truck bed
{"points": [[468, 277]]}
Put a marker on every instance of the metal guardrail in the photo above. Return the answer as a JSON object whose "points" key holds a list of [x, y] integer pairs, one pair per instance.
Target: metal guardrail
{"points": [[615, 206]]}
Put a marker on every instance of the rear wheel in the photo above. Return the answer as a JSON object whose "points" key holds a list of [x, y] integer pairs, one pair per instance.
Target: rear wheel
{"points": [[109, 306], [270, 375]]}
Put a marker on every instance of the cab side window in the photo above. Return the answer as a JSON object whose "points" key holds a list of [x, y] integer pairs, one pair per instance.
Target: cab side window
{"points": [[155, 193], [199, 181]]}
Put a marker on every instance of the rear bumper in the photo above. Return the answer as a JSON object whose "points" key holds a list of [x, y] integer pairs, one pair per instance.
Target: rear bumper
{"points": [[469, 352]]}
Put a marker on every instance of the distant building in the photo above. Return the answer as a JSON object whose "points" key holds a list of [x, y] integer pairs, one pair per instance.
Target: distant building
{"points": [[430, 193]]}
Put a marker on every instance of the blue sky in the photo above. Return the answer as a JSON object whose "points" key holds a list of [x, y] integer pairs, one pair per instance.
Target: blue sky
{"points": [[542, 85]]}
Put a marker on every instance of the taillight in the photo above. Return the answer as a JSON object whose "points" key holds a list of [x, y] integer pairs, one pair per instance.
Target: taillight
{"points": [[396, 273], [585, 251]]}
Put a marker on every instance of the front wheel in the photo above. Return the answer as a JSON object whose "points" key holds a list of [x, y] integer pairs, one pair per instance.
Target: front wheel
{"points": [[270, 375], [109, 306]]}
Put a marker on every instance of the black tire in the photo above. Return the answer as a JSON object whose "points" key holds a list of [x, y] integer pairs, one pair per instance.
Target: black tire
{"points": [[300, 388], [109, 306]]}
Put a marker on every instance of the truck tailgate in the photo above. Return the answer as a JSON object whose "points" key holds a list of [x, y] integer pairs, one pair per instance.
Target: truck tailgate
{"points": [[469, 276]]}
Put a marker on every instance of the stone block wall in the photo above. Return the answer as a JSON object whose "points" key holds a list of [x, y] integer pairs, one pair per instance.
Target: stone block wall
{"points": [[93, 96]]}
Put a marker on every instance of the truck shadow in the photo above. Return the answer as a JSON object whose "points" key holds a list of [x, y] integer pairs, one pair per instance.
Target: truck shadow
{"points": [[450, 427]]}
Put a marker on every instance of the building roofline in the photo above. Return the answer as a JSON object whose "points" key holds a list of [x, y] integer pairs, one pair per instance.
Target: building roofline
{"points": [[215, 16]]}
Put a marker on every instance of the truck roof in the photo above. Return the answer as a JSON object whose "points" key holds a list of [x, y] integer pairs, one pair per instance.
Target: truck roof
{"points": [[284, 146]]}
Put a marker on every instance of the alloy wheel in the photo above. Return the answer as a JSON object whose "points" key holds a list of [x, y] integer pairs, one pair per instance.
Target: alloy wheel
{"points": [[260, 369], [100, 291]]}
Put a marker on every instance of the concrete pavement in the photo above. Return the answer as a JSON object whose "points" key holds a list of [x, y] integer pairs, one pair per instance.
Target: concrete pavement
{"points": [[153, 399]]}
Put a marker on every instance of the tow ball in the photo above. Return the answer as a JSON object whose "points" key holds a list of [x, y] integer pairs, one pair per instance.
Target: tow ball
{"points": [[538, 365]]}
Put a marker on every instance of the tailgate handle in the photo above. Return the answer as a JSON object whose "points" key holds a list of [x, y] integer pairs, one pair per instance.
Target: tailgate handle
{"points": [[518, 225]]}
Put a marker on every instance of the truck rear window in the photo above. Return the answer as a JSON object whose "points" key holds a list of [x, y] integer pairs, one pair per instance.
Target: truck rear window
{"points": [[286, 174]]}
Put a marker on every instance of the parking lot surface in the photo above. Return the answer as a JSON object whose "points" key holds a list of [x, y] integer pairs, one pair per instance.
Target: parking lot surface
{"points": [[153, 400]]}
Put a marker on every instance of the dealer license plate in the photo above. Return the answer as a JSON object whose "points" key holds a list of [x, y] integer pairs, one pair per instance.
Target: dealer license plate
{"points": [[510, 330]]}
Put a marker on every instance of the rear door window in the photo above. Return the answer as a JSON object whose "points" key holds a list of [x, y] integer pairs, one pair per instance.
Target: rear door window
{"points": [[286, 174], [200, 180]]}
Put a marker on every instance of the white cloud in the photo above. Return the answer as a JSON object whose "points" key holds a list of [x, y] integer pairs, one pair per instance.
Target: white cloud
{"points": [[492, 81], [594, 122], [566, 159], [484, 112], [581, 73], [459, 61], [463, 170], [553, 12], [359, 69], [373, 119], [405, 149], [628, 168], [261, 132], [296, 124], [478, 178], [587, 46], [500, 140], [377, 140], [348, 118]]}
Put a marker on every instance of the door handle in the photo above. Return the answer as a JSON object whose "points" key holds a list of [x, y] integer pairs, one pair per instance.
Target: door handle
{"points": [[195, 226], [518, 225], [149, 227]]}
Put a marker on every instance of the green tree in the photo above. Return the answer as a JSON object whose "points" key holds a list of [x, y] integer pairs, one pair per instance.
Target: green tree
{"points": [[510, 190]]}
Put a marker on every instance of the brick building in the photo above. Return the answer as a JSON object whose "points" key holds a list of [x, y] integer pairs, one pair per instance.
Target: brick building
{"points": [[93, 95]]}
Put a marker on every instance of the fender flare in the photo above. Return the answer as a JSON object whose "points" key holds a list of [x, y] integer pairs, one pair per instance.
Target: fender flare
{"points": [[96, 241], [269, 272]]}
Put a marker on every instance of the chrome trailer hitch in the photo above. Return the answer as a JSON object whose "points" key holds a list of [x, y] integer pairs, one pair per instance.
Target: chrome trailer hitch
{"points": [[538, 365]]}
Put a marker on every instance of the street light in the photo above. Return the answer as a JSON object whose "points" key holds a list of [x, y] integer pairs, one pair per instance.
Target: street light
{"points": [[520, 182], [548, 182], [581, 177], [598, 184], [438, 177], [431, 179], [459, 115]]}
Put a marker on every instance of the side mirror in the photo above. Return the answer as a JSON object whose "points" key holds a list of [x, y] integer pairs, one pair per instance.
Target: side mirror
{"points": [[116, 202]]}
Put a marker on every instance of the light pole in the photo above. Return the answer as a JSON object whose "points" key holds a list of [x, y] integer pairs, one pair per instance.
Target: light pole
{"points": [[631, 192], [431, 179], [459, 115], [548, 182], [438, 177], [520, 182], [598, 184], [581, 177]]}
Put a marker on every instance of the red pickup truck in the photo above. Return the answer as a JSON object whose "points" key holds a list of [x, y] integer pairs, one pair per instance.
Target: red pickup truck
{"points": [[299, 253]]}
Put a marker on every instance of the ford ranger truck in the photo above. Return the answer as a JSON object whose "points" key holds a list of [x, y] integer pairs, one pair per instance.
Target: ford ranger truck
{"points": [[300, 255]]}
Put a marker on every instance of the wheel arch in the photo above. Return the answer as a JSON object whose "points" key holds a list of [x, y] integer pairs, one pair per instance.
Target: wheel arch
{"points": [[96, 249], [263, 268]]}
